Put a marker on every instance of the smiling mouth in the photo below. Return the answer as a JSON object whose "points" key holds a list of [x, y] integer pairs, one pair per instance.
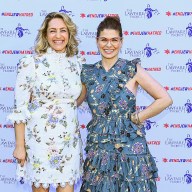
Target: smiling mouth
{"points": [[58, 42]]}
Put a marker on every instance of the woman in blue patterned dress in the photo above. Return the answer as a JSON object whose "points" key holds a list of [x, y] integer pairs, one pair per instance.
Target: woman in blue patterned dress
{"points": [[118, 158], [48, 143]]}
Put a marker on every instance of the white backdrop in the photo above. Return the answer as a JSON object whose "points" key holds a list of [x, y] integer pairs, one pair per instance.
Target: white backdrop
{"points": [[159, 32]]}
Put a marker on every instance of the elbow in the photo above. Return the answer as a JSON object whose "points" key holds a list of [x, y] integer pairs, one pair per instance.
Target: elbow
{"points": [[169, 101]]}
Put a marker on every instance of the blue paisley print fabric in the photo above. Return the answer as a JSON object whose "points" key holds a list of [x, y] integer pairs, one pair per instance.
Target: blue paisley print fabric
{"points": [[118, 158]]}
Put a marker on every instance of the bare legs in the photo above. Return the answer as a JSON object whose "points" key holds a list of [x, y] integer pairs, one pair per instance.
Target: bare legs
{"points": [[67, 188], [40, 189]]}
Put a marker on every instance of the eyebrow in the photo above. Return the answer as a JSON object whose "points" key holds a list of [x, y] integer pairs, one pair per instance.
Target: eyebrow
{"points": [[57, 28]]}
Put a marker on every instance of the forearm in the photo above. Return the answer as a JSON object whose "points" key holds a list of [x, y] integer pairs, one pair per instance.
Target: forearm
{"points": [[20, 134], [82, 96], [155, 108]]}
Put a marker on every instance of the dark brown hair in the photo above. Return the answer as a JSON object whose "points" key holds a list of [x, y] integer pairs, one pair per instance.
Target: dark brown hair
{"points": [[110, 22]]}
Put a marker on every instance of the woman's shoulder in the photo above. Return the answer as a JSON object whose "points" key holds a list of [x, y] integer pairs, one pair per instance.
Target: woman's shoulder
{"points": [[134, 61]]}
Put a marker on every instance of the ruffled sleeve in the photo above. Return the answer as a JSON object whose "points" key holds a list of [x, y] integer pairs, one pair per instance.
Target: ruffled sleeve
{"points": [[81, 61], [23, 89], [87, 73], [132, 65]]}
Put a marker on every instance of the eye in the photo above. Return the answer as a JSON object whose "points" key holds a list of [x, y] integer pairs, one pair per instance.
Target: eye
{"points": [[104, 40], [114, 40], [63, 30], [52, 31]]}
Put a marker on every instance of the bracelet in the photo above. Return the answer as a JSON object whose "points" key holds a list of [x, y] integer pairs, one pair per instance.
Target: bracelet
{"points": [[135, 118]]}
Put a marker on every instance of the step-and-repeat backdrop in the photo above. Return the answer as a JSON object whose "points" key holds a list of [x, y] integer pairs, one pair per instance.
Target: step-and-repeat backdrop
{"points": [[159, 32]]}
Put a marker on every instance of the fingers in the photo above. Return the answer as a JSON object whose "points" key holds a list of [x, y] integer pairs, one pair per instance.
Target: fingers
{"points": [[21, 162]]}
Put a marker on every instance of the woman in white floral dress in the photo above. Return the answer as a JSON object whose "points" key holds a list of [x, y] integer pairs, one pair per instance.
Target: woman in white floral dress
{"points": [[48, 143]]}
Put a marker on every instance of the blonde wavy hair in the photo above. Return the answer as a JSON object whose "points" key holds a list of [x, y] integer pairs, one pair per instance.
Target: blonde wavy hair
{"points": [[41, 43]]}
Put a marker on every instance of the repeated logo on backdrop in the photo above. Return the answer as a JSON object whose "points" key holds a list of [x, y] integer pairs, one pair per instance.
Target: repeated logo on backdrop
{"points": [[184, 143], [185, 68], [174, 179], [147, 13], [7, 68], [19, 31], [148, 51], [62, 9], [175, 32]]}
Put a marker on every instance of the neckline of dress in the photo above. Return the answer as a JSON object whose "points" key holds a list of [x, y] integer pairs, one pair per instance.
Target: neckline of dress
{"points": [[112, 67], [53, 52]]}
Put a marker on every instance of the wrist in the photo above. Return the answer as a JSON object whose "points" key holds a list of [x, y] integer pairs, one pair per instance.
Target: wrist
{"points": [[135, 118], [19, 145]]}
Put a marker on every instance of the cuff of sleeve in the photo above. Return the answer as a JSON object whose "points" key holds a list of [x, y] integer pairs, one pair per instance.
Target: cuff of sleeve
{"points": [[19, 116]]}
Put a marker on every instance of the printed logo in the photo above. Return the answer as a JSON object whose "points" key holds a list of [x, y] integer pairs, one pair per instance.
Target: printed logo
{"points": [[90, 53], [142, 33], [63, 10], [176, 160], [88, 34], [189, 30], [19, 31], [185, 179], [171, 67], [153, 142], [7, 180], [148, 51], [149, 124], [7, 88], [8, 160], [180, 32], [184, 125], [6, 109], [187, 108], [188, 177], [186, 143], [7, 69], [7, 144], [94, 15], [177, 52], [147, 13], [17, 14], [6, 126], [22, 52], [181, 13], [189, 66], [44, 13], [167, 88]]}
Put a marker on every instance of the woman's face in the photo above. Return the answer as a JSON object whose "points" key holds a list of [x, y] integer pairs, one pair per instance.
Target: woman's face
{"points": [[57, 35], [109, 43]]}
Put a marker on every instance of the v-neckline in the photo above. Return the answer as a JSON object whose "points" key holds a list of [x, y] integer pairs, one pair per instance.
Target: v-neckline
{"points": [[110, 68]]}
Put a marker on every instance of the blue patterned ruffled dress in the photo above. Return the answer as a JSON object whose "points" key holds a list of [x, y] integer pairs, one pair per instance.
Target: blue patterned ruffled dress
{"points": [[118, 158]]}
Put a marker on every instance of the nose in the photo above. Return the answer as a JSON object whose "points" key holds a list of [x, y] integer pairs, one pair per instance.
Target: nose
{"points": [[58, 34], [108, 43]]}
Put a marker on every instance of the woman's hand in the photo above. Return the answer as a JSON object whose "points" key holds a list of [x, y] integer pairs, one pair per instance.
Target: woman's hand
{"points": [[20, 154]]}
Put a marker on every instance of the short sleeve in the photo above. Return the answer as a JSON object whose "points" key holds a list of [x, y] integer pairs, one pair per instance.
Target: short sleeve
{"points": [[86, 73], [81, 61], [132, 66], [23, 89]]}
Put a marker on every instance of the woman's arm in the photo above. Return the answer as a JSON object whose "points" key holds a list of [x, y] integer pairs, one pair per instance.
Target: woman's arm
{"points": [[82, 96], [20, 152], [153, 88]]}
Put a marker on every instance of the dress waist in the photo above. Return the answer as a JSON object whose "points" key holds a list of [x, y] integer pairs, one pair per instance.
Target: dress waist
{"points": [[113, 116], [55, 101]]}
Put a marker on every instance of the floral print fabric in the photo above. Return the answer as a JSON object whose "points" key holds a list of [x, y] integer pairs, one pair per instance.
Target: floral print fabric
{"points": [[47, 87], [118, 158]]}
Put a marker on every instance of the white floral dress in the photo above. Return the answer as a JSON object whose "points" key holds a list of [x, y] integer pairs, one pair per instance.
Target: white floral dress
{"points": [[47, 87]]}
